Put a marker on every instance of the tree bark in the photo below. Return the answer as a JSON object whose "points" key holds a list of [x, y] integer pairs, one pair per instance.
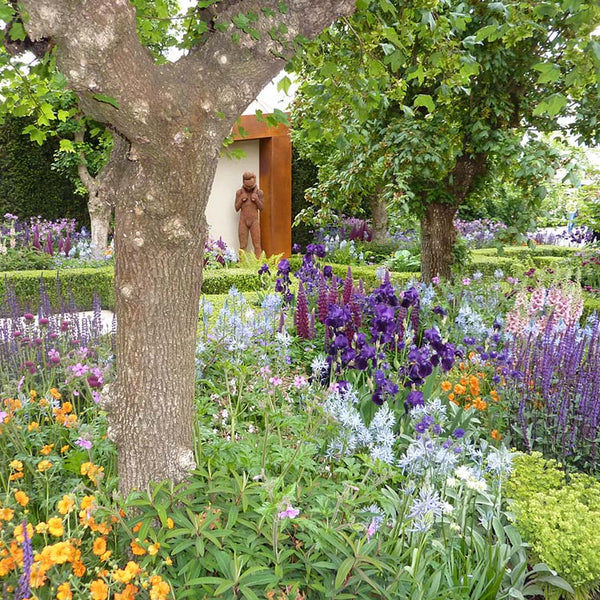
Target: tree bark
{"points": [[170, 122], [438, 235], [379, 218]]}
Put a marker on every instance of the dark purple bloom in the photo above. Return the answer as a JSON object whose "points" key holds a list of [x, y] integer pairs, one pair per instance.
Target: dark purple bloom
{"points": [[414, 398], [263, 269], [458, 433]]}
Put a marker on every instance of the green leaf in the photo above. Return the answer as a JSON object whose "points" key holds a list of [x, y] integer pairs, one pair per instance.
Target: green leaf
{"points": [[36, 135], [549, 72], [66, 146], [284, 84], [62, 115], [343, 571], [17, 32], [424, 100], [551, 106], [6, 13], [106, 99]]}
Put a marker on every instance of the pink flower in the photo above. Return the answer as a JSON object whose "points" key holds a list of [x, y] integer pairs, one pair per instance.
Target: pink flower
{"points": [[466, 281], [264, 371], [275, 381], [290, 512], [299, 381], [83, 443], [435, 280], [3, 416]]}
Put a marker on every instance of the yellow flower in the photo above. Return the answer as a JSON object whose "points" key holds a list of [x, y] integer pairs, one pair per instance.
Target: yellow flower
{"points": [[160, 589], [170, 523], [41, 527], [99, 590], [65, 505], [64, 592], [153, 548], [21, 497], [16, 465], [64, 448], [44, 465], [55, 527], [446, 386], [33, 425]]}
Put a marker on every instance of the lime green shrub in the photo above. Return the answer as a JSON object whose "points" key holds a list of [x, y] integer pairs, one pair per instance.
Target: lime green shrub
{"points": [[559, 518]]}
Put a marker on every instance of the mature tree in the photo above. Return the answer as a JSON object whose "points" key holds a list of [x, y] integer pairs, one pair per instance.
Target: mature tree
{"points": [[169, 122], [423, 99]]}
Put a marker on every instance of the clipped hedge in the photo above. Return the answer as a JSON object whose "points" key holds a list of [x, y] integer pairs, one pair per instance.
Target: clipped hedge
{"points": [[219, 281], [524, 252], [591, 304], [63, 288], [488, 264]]}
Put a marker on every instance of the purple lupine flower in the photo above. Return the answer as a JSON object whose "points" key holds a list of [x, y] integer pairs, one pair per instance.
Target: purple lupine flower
{"points": [[348, 287], [302, 318]]}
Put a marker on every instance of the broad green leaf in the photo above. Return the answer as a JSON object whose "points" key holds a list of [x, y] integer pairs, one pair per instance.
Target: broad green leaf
{"points": [[284, 84], [343, 571], [35, 134], [66, 146], [548, 72], [17, 31], [62, 115], [424, 100], [551, 106]]}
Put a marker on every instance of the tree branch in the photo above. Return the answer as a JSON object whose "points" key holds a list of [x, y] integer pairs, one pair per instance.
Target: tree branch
{"points": [[98, 50], [232, 66]]}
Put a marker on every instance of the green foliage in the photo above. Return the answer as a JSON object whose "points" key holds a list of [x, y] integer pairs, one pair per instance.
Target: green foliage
{"points": [[559, 518], [28, 185], [77, 285], [25, 260], [304, 176]]}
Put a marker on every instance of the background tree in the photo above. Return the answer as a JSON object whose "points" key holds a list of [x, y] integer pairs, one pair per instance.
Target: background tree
{"points": [[425, 99], [168, 122]]}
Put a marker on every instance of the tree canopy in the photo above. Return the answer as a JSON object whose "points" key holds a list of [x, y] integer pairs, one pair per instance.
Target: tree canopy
{"points": [[421, 100]]}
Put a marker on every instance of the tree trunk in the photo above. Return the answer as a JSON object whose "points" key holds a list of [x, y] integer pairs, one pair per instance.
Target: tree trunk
{"points": [[100, 212], [437, 239], [159, 239], [379, 217]]}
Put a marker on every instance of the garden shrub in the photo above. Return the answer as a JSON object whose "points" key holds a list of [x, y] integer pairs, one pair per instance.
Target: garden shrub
{"points": [[488, 264], [591, 304], [220, 281], [28, 186], [75, 287], [559, 518]]}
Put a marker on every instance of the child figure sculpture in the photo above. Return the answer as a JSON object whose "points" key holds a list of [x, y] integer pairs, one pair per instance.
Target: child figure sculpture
{"points": [[249, 200]]}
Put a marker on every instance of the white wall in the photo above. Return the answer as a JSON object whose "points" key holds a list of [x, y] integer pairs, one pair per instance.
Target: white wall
{"points": [[220, 212]]}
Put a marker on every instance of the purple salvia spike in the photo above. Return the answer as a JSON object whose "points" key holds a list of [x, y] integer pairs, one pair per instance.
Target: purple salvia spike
{"points": [[36, 238], [23, 589]]}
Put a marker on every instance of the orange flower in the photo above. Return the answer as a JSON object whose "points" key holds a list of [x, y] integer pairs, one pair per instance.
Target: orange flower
{"points": [[99, 546], [41, 527], [55, 393], [65, 505], [446, 386], [16, 465], [137, 549], [78, 569], [46, 449], [459, 389], [496, 435], [128, 573], [15, 476], [170, 523], [55, 526], [37, 578], [18, 533], [33, 426], [21, 497], [99, 590], [64, 448], [6, 514], [160, 589], [64, 592], [67, 407], [128, 593], [44, 465]]}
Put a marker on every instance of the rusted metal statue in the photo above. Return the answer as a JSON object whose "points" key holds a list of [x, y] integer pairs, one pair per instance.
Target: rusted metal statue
{"points": [[249, 200]]}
